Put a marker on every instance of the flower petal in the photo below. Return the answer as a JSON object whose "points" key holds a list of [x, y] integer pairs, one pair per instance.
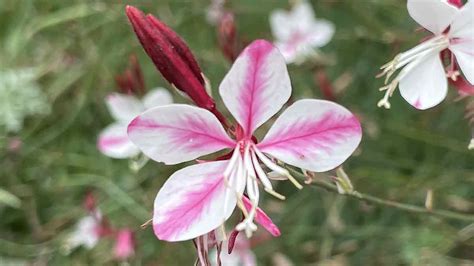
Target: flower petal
{"points": [[256, 86], [433, 15], [463, 25], [425, 85], [157, 97], [315, 135], [191, 202], [123, 107], [321, 33], [113, 141], [262, 218], [463, 49], [178, 133], [462, 29]]}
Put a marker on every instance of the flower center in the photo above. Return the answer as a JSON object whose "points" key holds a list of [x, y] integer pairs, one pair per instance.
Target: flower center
{"points": [[244, 172], [407, 61]]}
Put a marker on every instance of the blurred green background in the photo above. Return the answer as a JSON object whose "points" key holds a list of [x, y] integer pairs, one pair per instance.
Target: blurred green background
{"points": [[77, 47]]}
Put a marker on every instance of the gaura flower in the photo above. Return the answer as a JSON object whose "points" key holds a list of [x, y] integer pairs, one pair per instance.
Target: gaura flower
{"points": [[422, 78], [298, 32], [316, 135], [124, 244], [87, 232], [113, 141]]}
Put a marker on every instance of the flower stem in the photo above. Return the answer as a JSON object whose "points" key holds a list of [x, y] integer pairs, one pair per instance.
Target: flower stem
{"points": [[388, 203]]}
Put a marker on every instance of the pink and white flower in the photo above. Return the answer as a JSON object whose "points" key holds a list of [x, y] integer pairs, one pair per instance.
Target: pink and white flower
{"points": [[315, 135], [422, 77], [113, 140], [298, 32]]}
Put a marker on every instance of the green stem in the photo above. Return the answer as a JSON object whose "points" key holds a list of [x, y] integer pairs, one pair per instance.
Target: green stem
{"points": [[388, 203]]}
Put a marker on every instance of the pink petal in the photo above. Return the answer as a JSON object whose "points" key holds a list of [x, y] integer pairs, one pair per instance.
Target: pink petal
{"points": [[191, 202], [425, 85], [262, 218], [123, 107], [433, 15], [315, 135], [157, 97], [256, 86], [113, 141], [178, 133]]}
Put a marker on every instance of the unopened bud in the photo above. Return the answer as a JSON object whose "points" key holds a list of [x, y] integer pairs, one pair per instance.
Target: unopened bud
{"points": [[343, 183]]}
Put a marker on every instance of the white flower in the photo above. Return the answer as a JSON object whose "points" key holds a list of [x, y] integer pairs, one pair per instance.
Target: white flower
{"points": [[298, 32], [113, 140], [422, 79], [20, 96], [87, 232]]}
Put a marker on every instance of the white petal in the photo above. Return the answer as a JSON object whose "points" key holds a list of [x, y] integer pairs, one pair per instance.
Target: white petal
{"points": [[321, 33], [157, 97], [463, 49], [113, 141], [280, 25], [463, 25], [425, 85], [315, 135], [433, 15], [178, 133], [191, 202], [123, 107], [256, 86]]}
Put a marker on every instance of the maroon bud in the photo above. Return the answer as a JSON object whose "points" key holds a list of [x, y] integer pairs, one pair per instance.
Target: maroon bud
{"points": [[463, 86], [232, 238], [90, 202], [173, 65], [227, 35], [131, 81], [325, 85]]}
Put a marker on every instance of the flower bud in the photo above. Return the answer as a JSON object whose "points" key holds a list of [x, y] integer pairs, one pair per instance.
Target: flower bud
{"points": [[171, 56], [227, 35], [131, 81]]}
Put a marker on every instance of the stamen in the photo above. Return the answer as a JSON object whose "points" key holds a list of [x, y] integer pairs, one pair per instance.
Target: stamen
{"points": [[277, 168], [275, 194]]}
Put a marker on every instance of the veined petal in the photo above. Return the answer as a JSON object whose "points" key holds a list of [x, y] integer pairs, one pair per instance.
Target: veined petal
{"points": [[178, 133], [191, 202], [433, 15], [262, 218], [256, 86], [425, 85], [315, 135], [113, 141], [157, 97], [463, 25], [123, 107]]}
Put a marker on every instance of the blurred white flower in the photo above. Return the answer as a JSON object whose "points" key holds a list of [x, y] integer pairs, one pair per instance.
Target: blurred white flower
{"points": [[297, 32], [87, 232], [20, 96], [113, 140], [215, 11]]}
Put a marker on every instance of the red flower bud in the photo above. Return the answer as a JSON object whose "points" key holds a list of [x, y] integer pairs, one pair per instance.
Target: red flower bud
{"points": [[325, 85], [227, 35], [131, 81], [463, 86], [171, 56]]}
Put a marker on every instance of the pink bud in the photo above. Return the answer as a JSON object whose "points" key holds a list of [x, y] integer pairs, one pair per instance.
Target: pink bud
{"points": [[124, 244], [325, 85], [227, 35], [457, 3], [131, 81], [463, 86]]}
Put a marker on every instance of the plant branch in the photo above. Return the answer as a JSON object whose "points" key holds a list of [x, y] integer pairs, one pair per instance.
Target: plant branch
{"points": [[388, 203]]}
